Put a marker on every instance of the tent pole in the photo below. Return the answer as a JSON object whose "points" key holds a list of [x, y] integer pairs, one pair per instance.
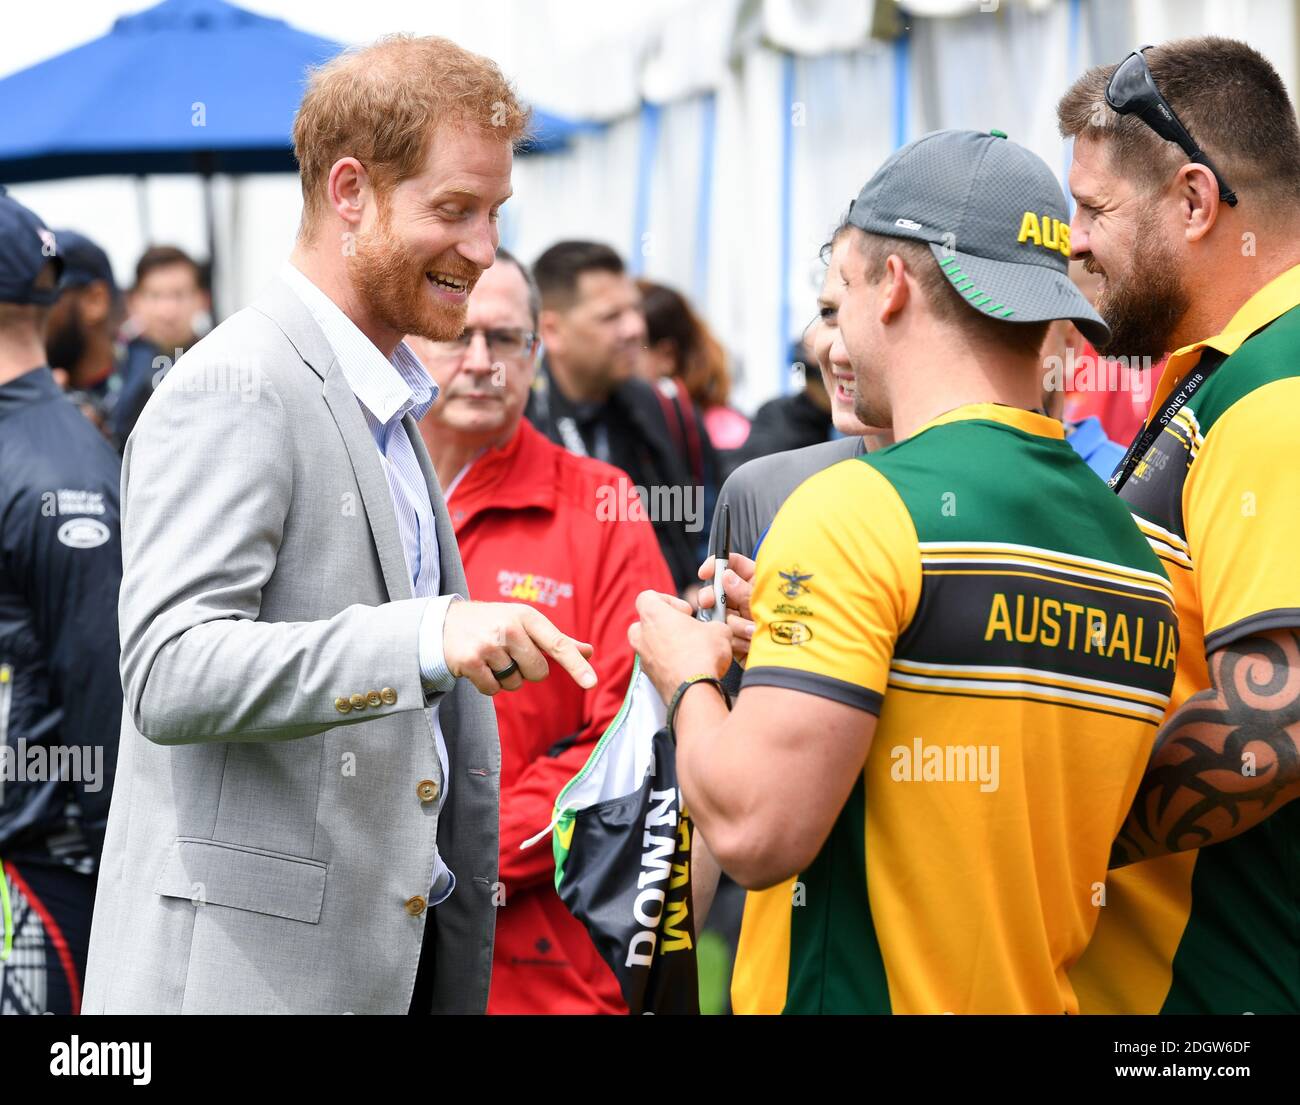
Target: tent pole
{"points": [[206, 164], [232, 292], [142, 209]]}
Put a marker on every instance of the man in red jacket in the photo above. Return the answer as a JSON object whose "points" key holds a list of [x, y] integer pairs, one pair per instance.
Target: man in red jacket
{"points": [[566, 533]]}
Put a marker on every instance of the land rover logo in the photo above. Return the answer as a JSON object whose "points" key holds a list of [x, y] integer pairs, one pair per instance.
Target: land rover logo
{"points": [[83, 533], [790, 633]]}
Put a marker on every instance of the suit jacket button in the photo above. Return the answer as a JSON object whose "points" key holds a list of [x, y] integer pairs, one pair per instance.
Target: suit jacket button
{"points": [[358, 702], [373, 699], [342, 705], [388, 696], [427, 789], [415, 906]]}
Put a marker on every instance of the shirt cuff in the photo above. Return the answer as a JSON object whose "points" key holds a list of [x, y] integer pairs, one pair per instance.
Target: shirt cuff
{"points": [[444, 882], [433, 660]]}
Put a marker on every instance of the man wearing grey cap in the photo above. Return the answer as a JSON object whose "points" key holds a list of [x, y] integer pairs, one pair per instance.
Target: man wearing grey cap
{"points": [[961, 647]]}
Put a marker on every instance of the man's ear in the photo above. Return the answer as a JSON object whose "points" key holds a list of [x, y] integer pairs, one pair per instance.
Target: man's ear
{"points": [[895, 291], [550, 326], [1198, 200], [349, 190], [528, 369]]}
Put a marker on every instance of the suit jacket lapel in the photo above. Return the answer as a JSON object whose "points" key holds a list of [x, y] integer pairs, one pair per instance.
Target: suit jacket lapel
{"points": [[281, 304], [371, 480]]}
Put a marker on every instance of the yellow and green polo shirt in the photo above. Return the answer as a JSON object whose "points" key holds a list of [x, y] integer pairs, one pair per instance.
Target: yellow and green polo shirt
{"points": [[979, 589], [1218, 497]]}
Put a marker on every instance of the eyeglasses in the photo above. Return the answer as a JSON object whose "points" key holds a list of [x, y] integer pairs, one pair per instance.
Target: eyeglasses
{"points": [[1132, 91], [504, 342]]}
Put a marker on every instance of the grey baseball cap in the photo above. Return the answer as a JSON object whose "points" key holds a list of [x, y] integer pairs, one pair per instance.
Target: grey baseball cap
{"points": [[995, 218]]}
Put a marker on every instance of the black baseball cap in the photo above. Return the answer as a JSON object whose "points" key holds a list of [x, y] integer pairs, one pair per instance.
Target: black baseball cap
{"points": [[995, 218], [84, 262], [26, 246]]}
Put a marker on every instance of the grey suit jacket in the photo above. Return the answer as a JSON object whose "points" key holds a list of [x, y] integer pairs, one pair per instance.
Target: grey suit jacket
{"points": [[264, 845]]}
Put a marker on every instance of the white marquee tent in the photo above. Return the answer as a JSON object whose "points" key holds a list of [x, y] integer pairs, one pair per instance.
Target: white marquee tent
{"points": [[736, 131]]}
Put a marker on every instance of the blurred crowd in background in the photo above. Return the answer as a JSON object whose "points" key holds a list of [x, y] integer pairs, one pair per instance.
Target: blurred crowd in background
{"points": [[615, 368], [622, 344], [638, 372]]}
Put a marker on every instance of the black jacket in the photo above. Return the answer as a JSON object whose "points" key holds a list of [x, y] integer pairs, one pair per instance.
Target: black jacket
{"points": [[60, 572], [788, 422], [141, 361], [630, 430]]}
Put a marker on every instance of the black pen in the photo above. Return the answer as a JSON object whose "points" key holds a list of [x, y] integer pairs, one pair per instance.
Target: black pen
{"points": [[721, 557]]}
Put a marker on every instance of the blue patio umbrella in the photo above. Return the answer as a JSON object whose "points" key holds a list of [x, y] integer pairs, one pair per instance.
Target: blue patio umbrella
{"points": [[187, 86]]}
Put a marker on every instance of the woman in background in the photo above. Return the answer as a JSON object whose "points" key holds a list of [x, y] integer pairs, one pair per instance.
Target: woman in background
{"points": [[682, 351]]}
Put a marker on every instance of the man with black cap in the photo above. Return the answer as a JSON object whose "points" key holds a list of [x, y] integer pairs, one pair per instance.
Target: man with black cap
{"points": [[60, 694], [962, 644], [80, 338]]}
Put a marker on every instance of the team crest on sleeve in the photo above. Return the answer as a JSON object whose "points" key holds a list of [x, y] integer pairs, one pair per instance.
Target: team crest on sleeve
{"points": [[794, 582], [790, 632]]}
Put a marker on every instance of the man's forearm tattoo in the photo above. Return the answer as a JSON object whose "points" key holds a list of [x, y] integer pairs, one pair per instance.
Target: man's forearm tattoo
{"points": [[1227, 758]]}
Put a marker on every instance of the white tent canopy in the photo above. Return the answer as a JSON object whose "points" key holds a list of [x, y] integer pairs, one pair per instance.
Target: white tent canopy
{"points": [[738, 130]]}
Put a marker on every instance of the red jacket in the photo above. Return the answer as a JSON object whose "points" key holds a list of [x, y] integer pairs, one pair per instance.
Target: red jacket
{"points": [[539, 525], [1122, 409]]}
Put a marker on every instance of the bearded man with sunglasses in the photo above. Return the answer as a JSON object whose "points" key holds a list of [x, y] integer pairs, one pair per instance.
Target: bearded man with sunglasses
{"points": [[564, 534], [1187, 178]]}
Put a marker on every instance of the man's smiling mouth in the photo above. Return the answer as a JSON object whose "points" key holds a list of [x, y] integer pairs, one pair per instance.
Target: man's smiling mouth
{"points": [[452, 283]]}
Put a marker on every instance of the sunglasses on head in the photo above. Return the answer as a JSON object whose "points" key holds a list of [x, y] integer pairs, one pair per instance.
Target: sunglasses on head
{"points": [[1133, 91]]}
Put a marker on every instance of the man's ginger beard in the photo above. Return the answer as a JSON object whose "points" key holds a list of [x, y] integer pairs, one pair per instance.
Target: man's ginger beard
{"points": [[389, 276]]}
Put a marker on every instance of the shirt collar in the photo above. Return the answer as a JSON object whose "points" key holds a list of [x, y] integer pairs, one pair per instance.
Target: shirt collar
{"points": [[1031, 422], [386, 386], [1273, 300]]}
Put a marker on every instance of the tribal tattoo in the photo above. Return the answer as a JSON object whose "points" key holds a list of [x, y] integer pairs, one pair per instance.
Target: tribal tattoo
{"points": [[1227, 758]]}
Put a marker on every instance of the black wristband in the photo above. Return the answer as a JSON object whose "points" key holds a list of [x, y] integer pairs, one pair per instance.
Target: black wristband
{"points": [[676, 700]]}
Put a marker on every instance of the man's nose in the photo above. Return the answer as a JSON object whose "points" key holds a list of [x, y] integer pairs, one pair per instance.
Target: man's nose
{"points": [[633, 329], [479, 246], [478, 357], [839, 354], [1078, 237]]}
